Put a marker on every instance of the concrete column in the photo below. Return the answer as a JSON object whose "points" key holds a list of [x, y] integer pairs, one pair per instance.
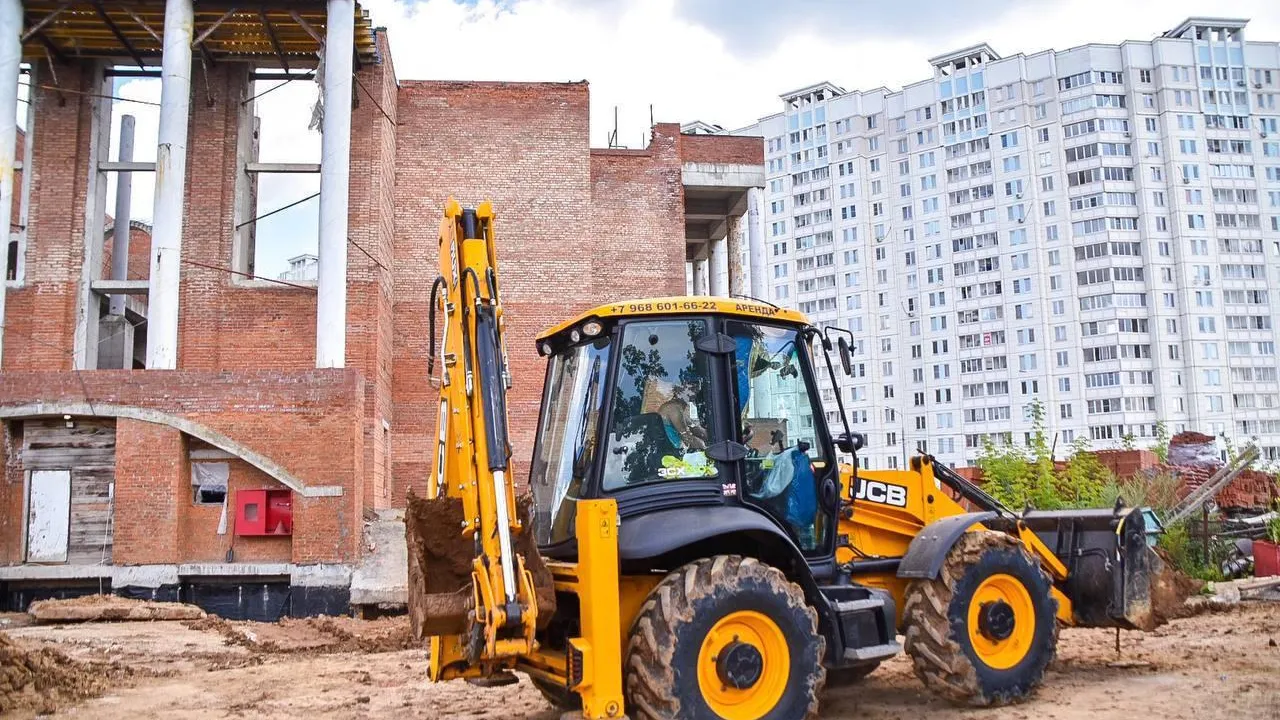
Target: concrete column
{"points": [[335, 176], [171, 180], [737, 282], [756, 245], [115, 348], [699, 277], [124, 196], [10, 57], [718, 268]]}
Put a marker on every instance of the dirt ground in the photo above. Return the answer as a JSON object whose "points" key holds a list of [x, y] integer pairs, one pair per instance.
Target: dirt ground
{"points": [[1216, 665]]}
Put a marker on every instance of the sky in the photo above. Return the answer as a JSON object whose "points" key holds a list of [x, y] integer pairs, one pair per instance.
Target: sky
{"points": [[720, 61]]}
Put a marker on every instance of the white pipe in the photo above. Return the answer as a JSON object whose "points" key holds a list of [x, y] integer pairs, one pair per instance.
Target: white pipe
{"points": [[335, 175], [171, 177], [10, 57], [755, 243], [121, 228], [718, 268]]}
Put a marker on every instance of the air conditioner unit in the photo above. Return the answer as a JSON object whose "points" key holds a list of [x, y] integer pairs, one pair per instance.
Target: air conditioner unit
{"points": [[1021, 220], [1241, 83], [1186, 181], [1257, 86], [1128, 134]]}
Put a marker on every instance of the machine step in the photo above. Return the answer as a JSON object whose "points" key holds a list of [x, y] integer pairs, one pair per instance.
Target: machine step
{"points": [[852, 606], [872, 652]]}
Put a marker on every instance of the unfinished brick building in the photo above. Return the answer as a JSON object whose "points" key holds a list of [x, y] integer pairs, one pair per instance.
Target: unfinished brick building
{"points": [[271, 412]]}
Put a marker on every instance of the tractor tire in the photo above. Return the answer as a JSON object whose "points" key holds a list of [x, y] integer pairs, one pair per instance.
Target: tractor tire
{"points": [[560, 697], [840, 677], [725, 637], [983, 631]]}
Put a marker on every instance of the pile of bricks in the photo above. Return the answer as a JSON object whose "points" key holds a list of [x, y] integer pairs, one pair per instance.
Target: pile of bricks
{"points": [[1194, 458]]}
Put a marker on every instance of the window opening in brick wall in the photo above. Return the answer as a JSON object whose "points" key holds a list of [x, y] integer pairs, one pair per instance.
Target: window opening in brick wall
{"points": [[209, 482], [278, 179], [13, 259], [130, 98]]}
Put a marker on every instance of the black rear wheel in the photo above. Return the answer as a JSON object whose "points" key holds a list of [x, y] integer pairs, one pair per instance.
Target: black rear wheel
{"points": [[725, 638]]}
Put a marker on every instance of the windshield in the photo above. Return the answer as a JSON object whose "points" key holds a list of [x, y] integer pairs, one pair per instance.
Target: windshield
{"points": [[567, 437]]}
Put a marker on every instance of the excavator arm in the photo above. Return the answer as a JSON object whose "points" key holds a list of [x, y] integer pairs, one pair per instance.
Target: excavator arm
{"points": [[471, 588]]}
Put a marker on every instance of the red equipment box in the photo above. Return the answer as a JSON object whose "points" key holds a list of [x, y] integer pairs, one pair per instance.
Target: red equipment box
{"points": [[264, 512]]}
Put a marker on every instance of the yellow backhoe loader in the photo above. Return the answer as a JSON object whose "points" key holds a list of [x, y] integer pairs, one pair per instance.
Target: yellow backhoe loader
{"points": [[692, 546]]}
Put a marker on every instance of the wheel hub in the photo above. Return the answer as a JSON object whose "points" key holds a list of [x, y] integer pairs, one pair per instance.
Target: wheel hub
{"points": [[739, 665], [996, 620]]}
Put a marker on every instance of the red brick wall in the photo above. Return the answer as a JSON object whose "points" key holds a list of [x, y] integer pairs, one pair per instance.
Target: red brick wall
{"points": [[151, 469], [733, 149], [575, 228], [139, 254], [201, 541], [307, 421], [40, 316], [525, 147]]}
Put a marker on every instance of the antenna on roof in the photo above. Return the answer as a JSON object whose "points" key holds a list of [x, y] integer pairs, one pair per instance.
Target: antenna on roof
{"points": [[613, 136]]}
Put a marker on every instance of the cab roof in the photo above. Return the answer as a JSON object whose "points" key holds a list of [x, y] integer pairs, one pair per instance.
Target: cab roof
{"points": [[682, 305]]}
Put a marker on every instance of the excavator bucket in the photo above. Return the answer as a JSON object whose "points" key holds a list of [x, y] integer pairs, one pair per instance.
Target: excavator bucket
{"points": [[441, 597], [441, 559], [1115, 578]]}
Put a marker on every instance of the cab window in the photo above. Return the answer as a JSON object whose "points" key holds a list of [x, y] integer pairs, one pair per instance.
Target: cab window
{"points": [[661, 406], [777, 421]]}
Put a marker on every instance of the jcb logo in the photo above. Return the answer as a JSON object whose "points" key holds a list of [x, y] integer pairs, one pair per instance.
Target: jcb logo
{"points": [[882, 493]]}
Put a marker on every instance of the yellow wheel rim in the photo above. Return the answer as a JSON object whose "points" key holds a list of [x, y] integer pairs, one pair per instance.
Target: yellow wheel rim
{"points": [[1002, 621], [756, 642]]}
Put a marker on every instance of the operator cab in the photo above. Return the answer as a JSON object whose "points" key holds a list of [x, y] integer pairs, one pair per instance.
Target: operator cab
{"points": [[684, 405]]}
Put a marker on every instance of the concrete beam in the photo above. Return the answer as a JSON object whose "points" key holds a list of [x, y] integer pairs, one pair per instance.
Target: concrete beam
{"points": [[126, 166], [120, 287], [705, 208], [715, 176], [699, 231]]}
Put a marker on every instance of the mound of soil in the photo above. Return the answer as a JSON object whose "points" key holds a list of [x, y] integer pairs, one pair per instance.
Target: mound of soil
{"points": [[1170, 589], [90, 608], [314, 635], [44, 679]]}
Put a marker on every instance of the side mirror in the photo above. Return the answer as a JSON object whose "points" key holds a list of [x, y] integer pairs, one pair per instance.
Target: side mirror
{"points": [[851, 442], [846, 361]]}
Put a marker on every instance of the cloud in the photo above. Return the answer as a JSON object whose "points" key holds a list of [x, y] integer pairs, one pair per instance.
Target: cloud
{"points": [[750, 27]]}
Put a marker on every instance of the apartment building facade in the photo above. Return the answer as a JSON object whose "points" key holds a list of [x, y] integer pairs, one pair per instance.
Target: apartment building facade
{"points": [[1096, 229]]}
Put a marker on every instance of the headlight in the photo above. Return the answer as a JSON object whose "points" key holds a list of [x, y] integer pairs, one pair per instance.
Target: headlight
{"points": [[592, 328]]}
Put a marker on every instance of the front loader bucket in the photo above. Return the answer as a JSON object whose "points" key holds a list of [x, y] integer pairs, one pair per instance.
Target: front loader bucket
{"points": [[1114, 577], [441, 600]]}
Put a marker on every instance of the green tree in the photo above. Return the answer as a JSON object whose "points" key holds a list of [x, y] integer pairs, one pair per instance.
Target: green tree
{"points": [[1127, 441], [1161, 447], [1041, 480], [1006, 474], [1084, 480]]}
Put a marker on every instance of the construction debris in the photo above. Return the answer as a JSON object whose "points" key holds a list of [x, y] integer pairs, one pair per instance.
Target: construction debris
{"points": [[110, 607]]}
